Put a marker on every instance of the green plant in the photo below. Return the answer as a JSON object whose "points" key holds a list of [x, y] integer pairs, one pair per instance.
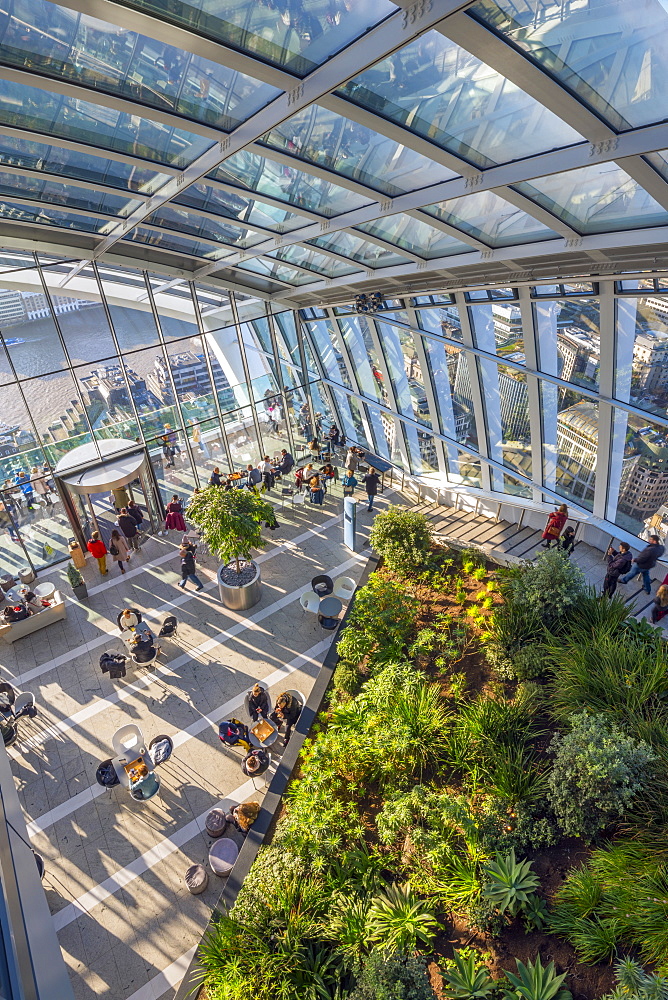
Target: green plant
{"points": [[458, 684], [633, 983], [382, 622], [468, 980], [598, 771], [535, 982], [347, 923], [384, 975], [471, 559], [550, 586], [511, 883], [74, 577], [535, 915], [398, 919], [230, 521], [347, 678], [484, 916], [480, 573], [402, 538]]}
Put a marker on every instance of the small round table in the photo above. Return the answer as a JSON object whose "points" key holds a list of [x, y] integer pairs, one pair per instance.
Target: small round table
{"points": [[329, 607], [255, 742]]}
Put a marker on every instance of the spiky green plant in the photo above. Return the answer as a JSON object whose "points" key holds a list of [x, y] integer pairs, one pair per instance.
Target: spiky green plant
{"points": [[468, 980], [511, 883], [398, 919], [536, 982]]}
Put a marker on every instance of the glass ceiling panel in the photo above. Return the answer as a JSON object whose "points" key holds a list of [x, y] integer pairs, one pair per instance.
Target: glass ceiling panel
{"points": [[53, 192], [39, 36], [256, 173], [260, 265], [368, 254], [331, 141], [70, 118], [491, 219], [597, 199], [440, 91], [611, 54], [418, 237], [171, 217], [79, 166], [313, 261], [44, 215], [178, 244], [233, 206], [295, 36]]}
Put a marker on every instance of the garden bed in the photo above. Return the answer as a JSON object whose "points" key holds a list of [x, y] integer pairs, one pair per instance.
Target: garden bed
{"points": [[486, 731]]}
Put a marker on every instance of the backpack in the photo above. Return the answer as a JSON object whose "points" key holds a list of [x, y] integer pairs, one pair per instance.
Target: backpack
{"points": [[113, 549], [233, 732]]}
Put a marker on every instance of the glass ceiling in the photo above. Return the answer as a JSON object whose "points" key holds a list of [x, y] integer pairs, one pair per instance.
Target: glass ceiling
{"points": [[384, 160]]}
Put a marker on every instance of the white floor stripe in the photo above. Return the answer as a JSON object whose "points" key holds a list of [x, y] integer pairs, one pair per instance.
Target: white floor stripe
{"points": [[103, 890], [311, 655], [168, 978], [156, 613], [168, 669]]}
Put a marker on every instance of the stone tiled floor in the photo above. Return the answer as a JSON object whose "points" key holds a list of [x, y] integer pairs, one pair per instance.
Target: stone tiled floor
{"points": [[114, 867]]}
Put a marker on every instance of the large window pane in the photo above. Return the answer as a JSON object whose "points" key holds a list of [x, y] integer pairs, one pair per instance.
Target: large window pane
{"points": [[498, 329], [571, 447], [569, 339], [641, 362], [241, 437], [450, 371], [29, 331], [642, 503], [443, 320]]}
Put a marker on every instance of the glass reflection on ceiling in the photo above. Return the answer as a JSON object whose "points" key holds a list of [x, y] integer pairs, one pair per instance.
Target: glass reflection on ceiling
{"points": [[44, 215], [38, 36], [415, 236], [312, 261], [67, 195], [232, 205], [365, 253], [336, 143], [491, 219], [171, 217], [438, 90], [177, 244], [274, 269]]}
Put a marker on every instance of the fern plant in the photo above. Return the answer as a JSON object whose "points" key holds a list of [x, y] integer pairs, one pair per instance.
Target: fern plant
{"points": [[468, 980], [536, 982], [511, 883], [398, 919]]}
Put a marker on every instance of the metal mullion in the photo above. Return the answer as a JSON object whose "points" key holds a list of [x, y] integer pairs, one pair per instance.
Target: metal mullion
{"points": [[119, 353], [350, 369], [606, 412], [380, 352], [452, 457], [177, 401], [209, 368], [279, 374], [244, 365], [475, 382], [531, 354]]}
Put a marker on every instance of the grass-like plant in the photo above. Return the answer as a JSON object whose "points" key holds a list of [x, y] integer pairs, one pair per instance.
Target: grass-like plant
{"points": [[633, 983], [510, 883], [468, 980], [399, 920], [536, 982], [230, 522]]}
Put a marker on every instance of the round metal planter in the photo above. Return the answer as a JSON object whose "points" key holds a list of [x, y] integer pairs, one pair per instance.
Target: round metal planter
{"points": [[240, 598]]}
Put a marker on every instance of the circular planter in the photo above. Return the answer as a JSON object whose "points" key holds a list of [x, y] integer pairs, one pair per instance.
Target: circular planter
{"points": [[240, 597]]}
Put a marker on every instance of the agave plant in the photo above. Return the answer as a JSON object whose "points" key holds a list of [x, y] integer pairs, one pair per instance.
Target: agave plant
{"points": [[511, 883], [467, 981], [535, 982], [398, 919], [348, 924]]}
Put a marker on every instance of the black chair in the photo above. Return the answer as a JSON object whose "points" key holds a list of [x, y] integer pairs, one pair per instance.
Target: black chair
{"points": [[39, 861], [106, 775], [135, 611], [329, 623], [322, 585], [160, 749], [169, 627], [286, 491], [9, 730], [7, 698]]}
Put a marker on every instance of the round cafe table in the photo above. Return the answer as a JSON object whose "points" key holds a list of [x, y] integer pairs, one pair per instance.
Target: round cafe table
{"points": [[255, 742], [330, 607]]}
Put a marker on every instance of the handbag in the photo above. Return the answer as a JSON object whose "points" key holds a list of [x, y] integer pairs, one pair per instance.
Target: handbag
{"points": [[113, 549]]}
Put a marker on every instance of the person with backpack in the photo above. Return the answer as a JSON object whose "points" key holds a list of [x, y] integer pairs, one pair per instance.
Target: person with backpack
{"points": [[128, 525], [188, 569], [98, 550], [119, 549]]}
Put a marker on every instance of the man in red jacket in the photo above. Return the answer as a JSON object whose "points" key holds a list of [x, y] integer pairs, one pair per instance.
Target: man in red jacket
{"points": [[98, 550]]}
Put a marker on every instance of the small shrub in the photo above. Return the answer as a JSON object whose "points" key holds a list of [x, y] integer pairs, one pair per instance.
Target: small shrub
{"points": [[633, 983], [549, 587], [392, 976], [484, 916], [536, 982], [598, 772], [511, 883], [398, 919], [347, 678], [403, 539]]}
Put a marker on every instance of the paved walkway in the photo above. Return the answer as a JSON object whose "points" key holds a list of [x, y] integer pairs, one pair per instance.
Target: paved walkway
{"points": [[525, 543], [114, 867]]}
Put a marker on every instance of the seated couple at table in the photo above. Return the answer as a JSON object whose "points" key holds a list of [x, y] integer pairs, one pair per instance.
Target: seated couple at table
{"points": [[286, 711], [28, 604], [137, 636]]}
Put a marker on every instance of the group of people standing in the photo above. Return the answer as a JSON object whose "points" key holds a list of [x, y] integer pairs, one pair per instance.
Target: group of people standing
{"points": [[124, 539]]}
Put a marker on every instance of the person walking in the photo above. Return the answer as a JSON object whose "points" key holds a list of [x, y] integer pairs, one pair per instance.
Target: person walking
{"points": [[40, 485], [258, 703], [135, 511], [334, 436], [371, 483], [128, 526], [119, 549], [98, 550], [351, 459], [174, 519], [660, 608], [619, 562], [644, 562], [555, 525], [188, 569], [266, 470]]}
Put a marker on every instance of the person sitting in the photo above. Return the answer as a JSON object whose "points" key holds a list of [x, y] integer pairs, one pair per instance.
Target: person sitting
{"points": [[233, 732], [567, 541], [266, 470], [253, 478], [287, 710], [314, 448], [143, 648], [255, 762], [128, 618], [328, 471], [285, 464], [258, 703], [243, 816], [660, 608], [214, 478], [34, 603], [303, 475], [317, 492], [174, 519]]}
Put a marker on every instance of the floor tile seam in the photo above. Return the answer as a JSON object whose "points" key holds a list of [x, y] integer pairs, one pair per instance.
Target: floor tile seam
{"points": [[123, 877], [167, 979], [154, 613], [166, 670], [81, 798]]}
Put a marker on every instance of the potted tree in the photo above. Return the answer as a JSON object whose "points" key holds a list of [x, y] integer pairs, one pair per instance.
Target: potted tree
{"points": [[230, 522], [77, 582]]}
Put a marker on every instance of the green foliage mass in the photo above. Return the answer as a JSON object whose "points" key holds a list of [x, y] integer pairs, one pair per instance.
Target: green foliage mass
{"points": [[402, 538], [382, 622], [392, 976], [598, 771], [230, 521]]}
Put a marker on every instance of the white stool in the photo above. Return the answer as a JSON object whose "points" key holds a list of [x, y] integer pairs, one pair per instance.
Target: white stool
{"points": [[26, 575], [44, 591]]}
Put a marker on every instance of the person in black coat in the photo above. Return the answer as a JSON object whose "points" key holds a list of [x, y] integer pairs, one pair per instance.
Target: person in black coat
{"points": [[135, 511], [128, 526], [255, 762], [371, 483], [287, 710], [618, 563], [258, 703], [567, 541], [188, 568]]}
